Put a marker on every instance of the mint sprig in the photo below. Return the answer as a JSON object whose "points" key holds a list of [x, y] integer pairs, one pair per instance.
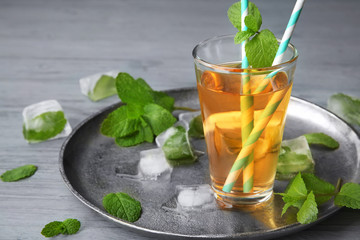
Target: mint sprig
{"points": [[123, 206], [69, 226], [306, 192], [262, 47], [18, 173], [146, 114], [295, 193]]}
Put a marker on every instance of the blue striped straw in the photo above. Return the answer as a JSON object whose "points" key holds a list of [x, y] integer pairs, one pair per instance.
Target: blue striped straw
{"points": [[284, 41], [244, 13], [288, 31], [246, 105]]}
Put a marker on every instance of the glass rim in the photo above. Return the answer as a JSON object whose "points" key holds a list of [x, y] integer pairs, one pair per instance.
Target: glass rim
{"points": [[232, 69]]}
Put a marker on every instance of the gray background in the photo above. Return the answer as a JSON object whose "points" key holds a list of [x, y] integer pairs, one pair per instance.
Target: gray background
{"points": [[47, 46]]}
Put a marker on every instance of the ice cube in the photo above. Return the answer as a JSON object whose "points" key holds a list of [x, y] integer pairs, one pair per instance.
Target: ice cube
{"points": [[99, 85], [153, 164], [187, 117], [162, 137], [31, 123], [180, 123], [195, 197], [295, 156], [298, 145]]}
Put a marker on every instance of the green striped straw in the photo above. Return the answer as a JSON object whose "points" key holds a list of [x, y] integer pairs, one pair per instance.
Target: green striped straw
{"points": [[284, 43], [242, 159]]}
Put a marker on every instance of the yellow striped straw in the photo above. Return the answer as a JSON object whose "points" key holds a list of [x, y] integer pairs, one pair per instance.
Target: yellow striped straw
{"points": [[250, 143]]}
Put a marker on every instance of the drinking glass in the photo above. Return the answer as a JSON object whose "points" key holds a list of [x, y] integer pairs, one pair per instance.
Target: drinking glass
{"points": [[220, 84]]}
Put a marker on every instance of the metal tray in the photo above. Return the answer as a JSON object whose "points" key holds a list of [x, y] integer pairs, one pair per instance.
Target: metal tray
{"points": [[92, 165]]}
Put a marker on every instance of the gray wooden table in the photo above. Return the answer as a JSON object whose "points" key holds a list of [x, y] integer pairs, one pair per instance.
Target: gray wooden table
{"points": [[47, 46]]}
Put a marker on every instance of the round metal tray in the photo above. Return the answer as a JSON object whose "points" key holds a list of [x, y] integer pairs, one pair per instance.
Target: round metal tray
{"points": [[92, 165]]}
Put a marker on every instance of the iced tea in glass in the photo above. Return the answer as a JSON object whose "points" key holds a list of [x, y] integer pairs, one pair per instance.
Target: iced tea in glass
{"points": [[219, 82]]}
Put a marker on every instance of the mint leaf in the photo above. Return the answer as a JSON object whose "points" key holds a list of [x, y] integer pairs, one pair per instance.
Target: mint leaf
{"points": [[242, 36], [44, 126], [144, 84], [308, 211], [321, 139], [71, 226], [140, 93], [18, 173], [164, 100], [261, 49], [349, 196], [53, 229], [105, 87], [346, 107], [319, 187], [159, 98], [253, 21], [295, 193], [291, 201], [131, 90], [296, 187], [123, 206], [234, 15], [143, 133], [158, 118], [196, 129], [123, 121], [177, 148]]}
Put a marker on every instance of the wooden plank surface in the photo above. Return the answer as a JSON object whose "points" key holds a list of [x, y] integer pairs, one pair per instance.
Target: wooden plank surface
{"points": [[46, 46]]}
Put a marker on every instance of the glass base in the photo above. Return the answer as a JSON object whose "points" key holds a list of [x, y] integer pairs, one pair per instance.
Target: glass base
{"points": [[226, 200]]}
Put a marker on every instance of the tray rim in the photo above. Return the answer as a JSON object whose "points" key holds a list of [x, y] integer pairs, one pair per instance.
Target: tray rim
{"points": [[292, 228]]}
